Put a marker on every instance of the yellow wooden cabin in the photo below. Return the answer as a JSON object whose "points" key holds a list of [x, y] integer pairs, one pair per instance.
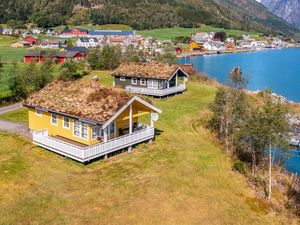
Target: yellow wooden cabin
{"points": [[83, 121]]}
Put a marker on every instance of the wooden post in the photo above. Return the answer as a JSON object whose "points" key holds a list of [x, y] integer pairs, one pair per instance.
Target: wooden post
{"points": [[105, 134], [130, 119], [176, 80]]}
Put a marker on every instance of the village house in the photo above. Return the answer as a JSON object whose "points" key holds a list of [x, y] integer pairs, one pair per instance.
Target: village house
{"points": [[31, 40], [84, 121], [53, 44], [36, 31], [82, 50], [7, 31], [87, 42], [150, 79], [73, 33], [20, 44], [61, 56], [49, 32]]}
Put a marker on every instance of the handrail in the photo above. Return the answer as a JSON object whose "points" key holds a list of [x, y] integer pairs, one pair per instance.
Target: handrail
{"points": [[40, 132], [143, 90]]}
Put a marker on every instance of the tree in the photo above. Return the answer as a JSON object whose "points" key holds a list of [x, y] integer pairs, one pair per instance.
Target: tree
{"points": [[220, 35], [229, 111], [70, 70], [275, 127], [18, 82]]}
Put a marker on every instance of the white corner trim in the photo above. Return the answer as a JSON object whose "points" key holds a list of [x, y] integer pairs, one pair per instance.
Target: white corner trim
{"points": [[135, 98], [179, 68]]}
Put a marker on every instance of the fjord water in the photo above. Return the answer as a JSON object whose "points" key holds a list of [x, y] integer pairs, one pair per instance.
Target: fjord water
{"points": [[277, 69]]}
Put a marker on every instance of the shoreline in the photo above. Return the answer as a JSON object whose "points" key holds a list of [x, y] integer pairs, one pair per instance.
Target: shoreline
{"points": [[191, 54]]}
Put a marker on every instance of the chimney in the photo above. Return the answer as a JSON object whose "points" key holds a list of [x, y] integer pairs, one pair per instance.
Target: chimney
{"points": [[95, 83]]}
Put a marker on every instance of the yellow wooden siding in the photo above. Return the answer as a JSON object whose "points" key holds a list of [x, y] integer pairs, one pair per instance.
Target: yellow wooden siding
{"points": [[44, 122], [37, 123]]}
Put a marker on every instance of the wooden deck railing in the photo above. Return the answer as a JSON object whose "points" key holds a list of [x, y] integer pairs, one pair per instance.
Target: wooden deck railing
{"points": [[85, 154], [156, 92]]}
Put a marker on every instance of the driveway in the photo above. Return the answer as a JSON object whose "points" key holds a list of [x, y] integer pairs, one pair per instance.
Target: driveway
{"points": [[13, 127]]}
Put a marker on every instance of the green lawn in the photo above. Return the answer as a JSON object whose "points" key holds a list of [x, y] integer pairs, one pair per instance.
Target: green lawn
{"points": [[183, 177], [97, 27], [169, 33], [9, 54], [20, 116]]}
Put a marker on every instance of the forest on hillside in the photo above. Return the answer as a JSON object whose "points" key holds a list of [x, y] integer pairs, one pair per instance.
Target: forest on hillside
{"points": [[142, 14]]}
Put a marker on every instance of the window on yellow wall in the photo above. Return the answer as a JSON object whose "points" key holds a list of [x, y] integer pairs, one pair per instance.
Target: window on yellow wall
{"points": [[54, 119], [66, 122], [77, 128], [84, 130], [38, 112]]}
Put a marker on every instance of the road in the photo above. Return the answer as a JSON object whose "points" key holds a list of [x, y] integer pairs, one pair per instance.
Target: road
{"points": [[13, 127]]}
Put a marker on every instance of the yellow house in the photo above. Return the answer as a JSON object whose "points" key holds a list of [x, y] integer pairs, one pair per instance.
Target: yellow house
{"points": [[196, 45], [84, 122], [20, 44]]}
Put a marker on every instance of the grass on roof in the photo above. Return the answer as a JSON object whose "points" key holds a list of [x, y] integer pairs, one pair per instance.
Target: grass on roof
{"points": [[183, 177], [169, 33]]}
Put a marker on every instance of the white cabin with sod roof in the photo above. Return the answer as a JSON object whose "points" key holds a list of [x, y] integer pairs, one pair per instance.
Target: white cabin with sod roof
{"points": [[157, 80]]}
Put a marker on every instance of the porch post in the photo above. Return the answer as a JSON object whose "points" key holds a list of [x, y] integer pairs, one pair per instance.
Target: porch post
{"points": [[151, 120], [176, 79], [105, 134], [168, 84], [130, 119]]}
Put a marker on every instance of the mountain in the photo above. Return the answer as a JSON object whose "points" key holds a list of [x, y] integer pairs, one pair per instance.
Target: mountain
{"points": [[145, 14], [289, 10]]}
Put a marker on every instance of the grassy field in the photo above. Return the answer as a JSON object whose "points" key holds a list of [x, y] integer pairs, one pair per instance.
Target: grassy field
{"points": [[7, 53], [169, 33], [97, 27], [19, 116], [183, 177]]}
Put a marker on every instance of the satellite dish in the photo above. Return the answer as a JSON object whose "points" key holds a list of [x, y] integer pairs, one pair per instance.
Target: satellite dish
{"points": [[154, 116]]}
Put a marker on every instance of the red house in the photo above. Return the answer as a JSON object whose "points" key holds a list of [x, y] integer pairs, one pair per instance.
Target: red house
{"points": [[31, 40], [75, 32], [72, 55], [36, 56], [41, 56]]}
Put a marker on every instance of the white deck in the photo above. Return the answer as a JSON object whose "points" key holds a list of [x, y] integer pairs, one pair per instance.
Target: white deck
{"points": [[86, 154], [156, 92]]}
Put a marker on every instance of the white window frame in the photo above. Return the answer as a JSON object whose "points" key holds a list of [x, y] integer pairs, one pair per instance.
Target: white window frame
{"points": [[38, 112], [53, 114], [122, 79], [134, 81], [99, 132], [143, 82], [151, 83], [69, 126], [80, 130]]}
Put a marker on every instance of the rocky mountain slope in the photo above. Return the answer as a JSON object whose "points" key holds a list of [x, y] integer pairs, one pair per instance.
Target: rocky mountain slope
{"points": [[145, 14], [289, 10]]}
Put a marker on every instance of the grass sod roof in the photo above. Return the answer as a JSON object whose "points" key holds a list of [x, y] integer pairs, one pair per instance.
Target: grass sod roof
{"points": [[142, 70], [78, 98]]}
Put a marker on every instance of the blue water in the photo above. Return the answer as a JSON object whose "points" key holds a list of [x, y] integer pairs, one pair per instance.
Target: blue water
{"points": [[277, 69]]}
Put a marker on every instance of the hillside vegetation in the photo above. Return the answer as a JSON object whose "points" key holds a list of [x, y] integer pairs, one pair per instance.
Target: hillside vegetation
{"points": [[145, 14], [183, 177]]}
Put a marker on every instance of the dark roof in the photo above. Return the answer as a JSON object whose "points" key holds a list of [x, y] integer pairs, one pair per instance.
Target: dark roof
{"points": [[36, 53], [149, 70], [78, 98], [83, 50], [67, 54], [111, 32]]}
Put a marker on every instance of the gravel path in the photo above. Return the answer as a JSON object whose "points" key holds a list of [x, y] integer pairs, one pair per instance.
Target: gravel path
{"points": [[13, 127]]}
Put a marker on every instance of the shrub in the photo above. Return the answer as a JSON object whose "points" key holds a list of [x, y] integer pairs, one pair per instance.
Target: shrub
{"points": [[240, 167]]}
